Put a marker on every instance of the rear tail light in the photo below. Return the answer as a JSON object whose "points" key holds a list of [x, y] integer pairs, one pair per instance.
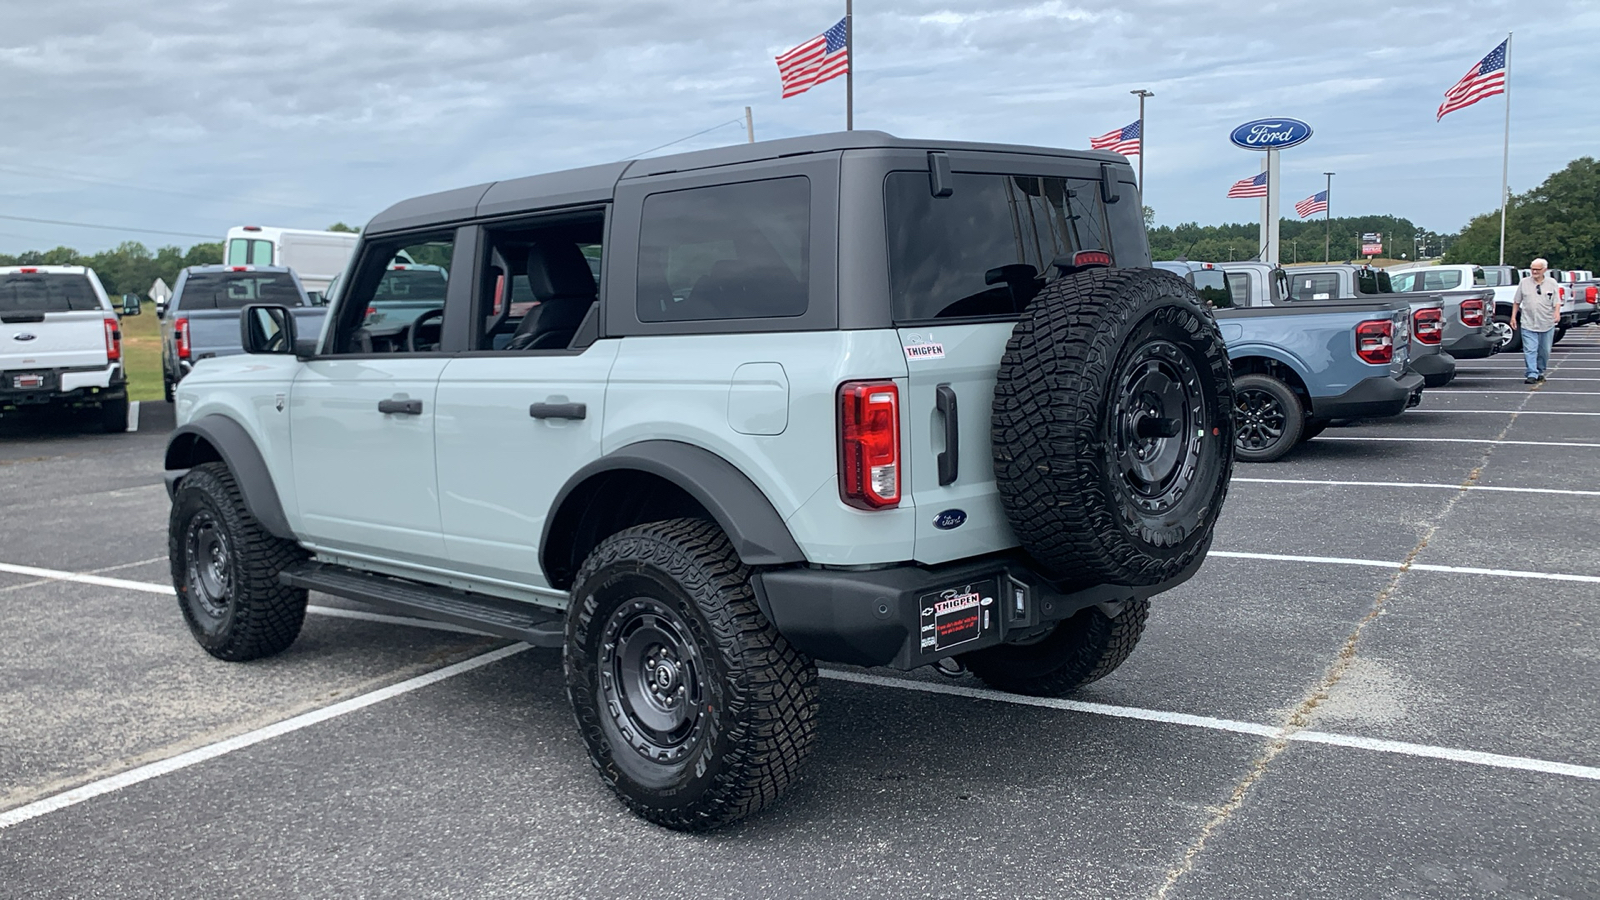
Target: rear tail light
{"points": [[1472, 312], [180, 336], [252, 228], [1427, 325], [869, 444], [371, 311], [241, 268], [1091, 258], [28, 270], [1592, 294], [1375, 341], [113, 339]]}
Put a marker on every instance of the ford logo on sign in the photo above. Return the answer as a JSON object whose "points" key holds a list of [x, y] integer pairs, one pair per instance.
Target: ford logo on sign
{"points": [[950, 518], [1271, 134]]}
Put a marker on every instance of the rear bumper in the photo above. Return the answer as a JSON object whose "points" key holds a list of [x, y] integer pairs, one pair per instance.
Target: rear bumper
{"points": [[1476, 345], [38, 386], [1435, 368], [1375, 398], [908, 615]]}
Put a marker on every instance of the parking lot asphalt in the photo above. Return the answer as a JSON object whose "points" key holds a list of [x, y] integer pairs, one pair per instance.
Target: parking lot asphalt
{"points": [[1382, 684]]}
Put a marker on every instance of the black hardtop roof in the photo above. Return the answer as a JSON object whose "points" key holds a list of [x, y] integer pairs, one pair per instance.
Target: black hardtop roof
{"points": [[595, 184]]}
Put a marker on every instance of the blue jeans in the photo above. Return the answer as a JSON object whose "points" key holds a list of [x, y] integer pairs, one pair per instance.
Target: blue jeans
{"points": [[1536, 350]]}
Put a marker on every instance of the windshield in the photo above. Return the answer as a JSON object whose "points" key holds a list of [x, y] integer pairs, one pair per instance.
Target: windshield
{"points": [[232, 290], [46, 292], [986, 249], [424, 284]]}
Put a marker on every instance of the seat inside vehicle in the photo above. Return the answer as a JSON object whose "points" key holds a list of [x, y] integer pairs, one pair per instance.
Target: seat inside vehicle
{"points": [[559, 277]]}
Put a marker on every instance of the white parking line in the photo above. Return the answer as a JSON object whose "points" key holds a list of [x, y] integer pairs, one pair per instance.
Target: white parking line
{"points": [[1420, 484], [1435, 440], [250, 738], [101, 580], [1461, 374], [1476, 391], [1503, 412], [1402, 748], [1414, 567]]}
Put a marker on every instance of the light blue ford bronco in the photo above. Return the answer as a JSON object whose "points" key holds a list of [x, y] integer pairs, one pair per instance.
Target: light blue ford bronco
{"points": [[844, 398]]}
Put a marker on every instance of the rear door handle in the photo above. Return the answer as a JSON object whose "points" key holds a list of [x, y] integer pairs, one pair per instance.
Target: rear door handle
{"points": [[396, 406], [944, 400], [558, 410]]}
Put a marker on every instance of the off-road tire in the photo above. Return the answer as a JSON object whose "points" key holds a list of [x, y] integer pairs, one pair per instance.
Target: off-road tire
{"points": [[236, 609], [1069, 404], [680, 585], [1078, 651], [1279, 418], [114, 416]]}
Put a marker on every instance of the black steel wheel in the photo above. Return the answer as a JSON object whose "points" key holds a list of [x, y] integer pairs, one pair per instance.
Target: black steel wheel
{"points": [[225, 570], [1161, 426], [695, 711], [1267, 418]]}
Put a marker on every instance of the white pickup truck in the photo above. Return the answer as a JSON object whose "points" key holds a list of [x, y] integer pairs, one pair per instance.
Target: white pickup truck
{"points": [[61, 344]]}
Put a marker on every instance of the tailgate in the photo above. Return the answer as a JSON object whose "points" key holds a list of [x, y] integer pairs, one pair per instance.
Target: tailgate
{"points": [[212, 332], [56, 340], [963, 517]]}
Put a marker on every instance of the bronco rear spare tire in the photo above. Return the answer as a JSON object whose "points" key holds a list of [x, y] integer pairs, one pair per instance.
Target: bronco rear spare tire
{"points": [[1113, 427]]}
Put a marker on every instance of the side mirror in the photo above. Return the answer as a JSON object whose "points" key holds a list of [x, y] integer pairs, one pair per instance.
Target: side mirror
{"points": [[130, 305], [265, 328], [161, 309]]}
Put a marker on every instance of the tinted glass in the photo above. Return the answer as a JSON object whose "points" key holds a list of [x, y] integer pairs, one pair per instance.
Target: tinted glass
{"points": [[1319, 286], [411, 284], [1373, 281], [1213, 288], [1441, 281], [37, 293], [232, 290], [1478, 278], [986, 249], [733, 251]]}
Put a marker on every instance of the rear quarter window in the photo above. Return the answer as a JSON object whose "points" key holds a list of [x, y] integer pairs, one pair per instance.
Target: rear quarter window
{"points": [[232, 290], [1318, 286], [45, 292]]}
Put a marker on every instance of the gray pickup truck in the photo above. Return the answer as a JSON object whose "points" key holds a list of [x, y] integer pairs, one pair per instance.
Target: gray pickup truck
{"points": [[201, 320]]}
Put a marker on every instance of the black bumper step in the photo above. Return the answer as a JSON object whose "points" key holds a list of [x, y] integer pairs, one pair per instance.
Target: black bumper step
{"points": [[506, 618]]}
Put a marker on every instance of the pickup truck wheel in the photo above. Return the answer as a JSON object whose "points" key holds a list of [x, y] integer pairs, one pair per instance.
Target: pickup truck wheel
{"points": [[1515, 344], [696, 712], [1268, 418], [166, 386], [225, 568], [1112, 427], [1079, 650], [114, 416], [1561, 332]]}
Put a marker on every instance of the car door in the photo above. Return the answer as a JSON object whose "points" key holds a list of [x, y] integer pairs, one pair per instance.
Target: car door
{"points": [[362, 423], [522, 411]]}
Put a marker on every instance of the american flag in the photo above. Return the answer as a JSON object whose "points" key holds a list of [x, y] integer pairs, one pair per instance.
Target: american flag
{"points": [[1486, 79], [1249, 187], [1124, 140], [823, 57], [1313, 204]]}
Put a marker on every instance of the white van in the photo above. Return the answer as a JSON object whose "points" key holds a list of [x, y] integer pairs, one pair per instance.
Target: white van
{"points": [[316, 256]]}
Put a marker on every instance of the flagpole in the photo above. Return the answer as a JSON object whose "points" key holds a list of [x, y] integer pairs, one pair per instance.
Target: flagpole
{"points": [[850, 72], [1327, 218], [1505, 155], [1144, 141]]}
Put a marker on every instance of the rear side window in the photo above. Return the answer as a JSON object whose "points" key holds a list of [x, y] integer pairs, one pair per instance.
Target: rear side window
{"points": [[1498, 278], [986, 249], [1213, 288], [1239, 286], [1403, 281], [1449, 279], [1372, 281], [731, 251], [44, 292], [232, 290], [1319, 286]]}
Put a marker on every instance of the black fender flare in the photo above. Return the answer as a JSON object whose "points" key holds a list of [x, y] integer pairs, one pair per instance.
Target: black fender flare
{"points": [[240, 454], [746, 516]]}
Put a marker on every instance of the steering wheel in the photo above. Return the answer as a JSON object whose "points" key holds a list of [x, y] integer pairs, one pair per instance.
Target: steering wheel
{"points": [[416, 326]]}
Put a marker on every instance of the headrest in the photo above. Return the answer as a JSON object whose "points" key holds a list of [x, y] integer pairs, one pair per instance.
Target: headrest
{"points": [[559, 269]]}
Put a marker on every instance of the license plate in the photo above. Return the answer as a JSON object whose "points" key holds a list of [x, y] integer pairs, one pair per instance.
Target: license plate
{"points": [[957, 615], [30, 380]]}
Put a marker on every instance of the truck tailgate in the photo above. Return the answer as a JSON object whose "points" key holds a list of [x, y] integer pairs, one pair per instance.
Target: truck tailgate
{"points": [[53, 340]]}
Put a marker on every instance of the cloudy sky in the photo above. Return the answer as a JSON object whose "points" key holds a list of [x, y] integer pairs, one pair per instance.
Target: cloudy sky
{"points": [[188, 117]]}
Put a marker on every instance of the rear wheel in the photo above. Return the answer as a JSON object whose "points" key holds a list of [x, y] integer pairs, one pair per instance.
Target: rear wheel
{"points": [[114, 416], [1268, 418], [1560, 333], [1112, 428], [1515, 344], [694, 709], [1077, 651]]}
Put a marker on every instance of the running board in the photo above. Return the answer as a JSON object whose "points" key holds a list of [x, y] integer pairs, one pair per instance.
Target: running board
{"points": [[535, 625]]}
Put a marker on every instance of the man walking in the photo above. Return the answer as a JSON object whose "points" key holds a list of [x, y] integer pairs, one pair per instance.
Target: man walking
{"points": [[1538, 304]]}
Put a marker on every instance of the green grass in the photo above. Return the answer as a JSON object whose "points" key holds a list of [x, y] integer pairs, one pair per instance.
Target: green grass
{"points": [[141, 354]]}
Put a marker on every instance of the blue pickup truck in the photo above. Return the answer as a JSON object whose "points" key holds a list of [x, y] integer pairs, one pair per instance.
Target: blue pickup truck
{"points": [[202, 318], [1296, 368]]}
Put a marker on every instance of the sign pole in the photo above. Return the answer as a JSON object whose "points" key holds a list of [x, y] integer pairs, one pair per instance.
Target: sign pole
{"points": [[1327, 220], [1144, 139], [1505, 155], [850, 72], [749, 125]]}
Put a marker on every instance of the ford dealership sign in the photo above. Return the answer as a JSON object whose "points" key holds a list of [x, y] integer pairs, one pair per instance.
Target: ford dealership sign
{"points": [[1271, 134]]}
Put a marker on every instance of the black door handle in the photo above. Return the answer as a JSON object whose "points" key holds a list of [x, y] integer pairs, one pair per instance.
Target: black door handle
{"points": [[944, 400], [558, 410], [400, 407]]}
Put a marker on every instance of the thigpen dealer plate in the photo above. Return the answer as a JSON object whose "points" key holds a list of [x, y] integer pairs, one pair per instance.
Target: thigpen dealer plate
{"points": [[957, 615]]}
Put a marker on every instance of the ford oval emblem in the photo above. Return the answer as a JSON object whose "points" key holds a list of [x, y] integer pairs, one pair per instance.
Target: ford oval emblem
{"points": [[22, 336], [950, 518], [1271, 134]]}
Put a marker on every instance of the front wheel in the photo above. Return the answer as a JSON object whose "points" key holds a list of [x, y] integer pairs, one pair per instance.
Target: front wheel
{"points": [[695, 711], [1267, 418], [1076, 652], [225, 569]]}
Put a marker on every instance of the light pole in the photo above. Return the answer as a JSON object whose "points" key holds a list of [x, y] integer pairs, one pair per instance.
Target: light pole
{"points": [[1143, 139], [1327, 217]]}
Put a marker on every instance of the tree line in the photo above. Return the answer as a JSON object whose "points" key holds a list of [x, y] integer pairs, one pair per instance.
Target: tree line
{"points": [[1558, 220], [130, 268], [1298, 240]]}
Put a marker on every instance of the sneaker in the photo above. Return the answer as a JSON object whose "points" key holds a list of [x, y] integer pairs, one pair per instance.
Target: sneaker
{"points": [[1530, 380], [1541, 379]]}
